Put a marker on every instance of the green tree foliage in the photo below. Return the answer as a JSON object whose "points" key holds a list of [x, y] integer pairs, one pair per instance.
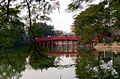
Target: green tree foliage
{"points": [[96, 20], [114, 8], [12, 12], [39, 9], [35, 10], [43, 30], [81, 4], [88, 23], [12, 32]]}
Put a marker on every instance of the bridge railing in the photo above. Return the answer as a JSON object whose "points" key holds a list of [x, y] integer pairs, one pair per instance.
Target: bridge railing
{"points": [[56, 38]]}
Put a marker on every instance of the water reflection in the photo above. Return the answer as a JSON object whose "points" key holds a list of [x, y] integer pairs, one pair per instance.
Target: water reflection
{"points": [[98, 65], [60, 65], [63, 67], [64, 59], [21, 65], [11, 65]]}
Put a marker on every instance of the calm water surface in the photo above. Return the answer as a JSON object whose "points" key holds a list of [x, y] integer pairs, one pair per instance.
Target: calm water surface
{"points": [[65, 68], [82, 65]]}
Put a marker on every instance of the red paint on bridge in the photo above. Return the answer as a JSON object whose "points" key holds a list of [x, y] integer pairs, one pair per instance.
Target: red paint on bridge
{"points": [[58, 38], [50, 42]]}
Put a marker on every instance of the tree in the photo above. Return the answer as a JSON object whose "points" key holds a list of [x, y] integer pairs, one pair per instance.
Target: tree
{"points": [[12, 32], [87, 23], [78, 4], [96, 20], [13, 9], [42, 30], [37, 10]]}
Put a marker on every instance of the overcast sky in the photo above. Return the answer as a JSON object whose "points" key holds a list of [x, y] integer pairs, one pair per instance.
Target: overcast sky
{"points": [[63, 20]]}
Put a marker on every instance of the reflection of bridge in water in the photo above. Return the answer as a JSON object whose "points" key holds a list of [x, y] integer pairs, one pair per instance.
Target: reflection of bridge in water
{"points": [[59, 43], [63, 59]]}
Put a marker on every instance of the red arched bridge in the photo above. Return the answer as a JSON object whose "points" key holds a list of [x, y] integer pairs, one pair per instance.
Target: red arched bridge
{"points": [[59, 43]]}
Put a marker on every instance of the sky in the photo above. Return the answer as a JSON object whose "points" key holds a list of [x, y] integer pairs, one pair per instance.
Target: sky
{"points": [[63, 20]]}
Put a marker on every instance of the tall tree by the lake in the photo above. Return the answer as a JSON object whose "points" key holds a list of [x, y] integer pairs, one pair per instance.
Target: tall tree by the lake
{"points": [[12, 31], [97, 19], [17, 18]]}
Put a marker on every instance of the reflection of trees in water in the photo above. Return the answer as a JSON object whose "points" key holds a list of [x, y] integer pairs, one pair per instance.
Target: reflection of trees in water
{"points": [[117, 63], [39, 61], [84, 63], [11, 65], [88, 67]]}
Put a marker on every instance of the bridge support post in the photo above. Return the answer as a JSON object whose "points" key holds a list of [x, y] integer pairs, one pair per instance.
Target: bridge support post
{"points": [[67, 46], [48, 45], [39, 44], [43, 44], [78, 46], [73, 48], [62, 46], [52, 45], [57, 46]]}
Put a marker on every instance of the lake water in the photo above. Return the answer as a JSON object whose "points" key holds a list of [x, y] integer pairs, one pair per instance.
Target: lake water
{"points": [[61, 65], [65, 68]]}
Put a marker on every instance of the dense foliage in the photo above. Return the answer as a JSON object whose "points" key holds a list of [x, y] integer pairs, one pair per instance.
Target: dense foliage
{"points": [[43, 30], [12, 31], [97, 19], [18, 19], [18, 22]]}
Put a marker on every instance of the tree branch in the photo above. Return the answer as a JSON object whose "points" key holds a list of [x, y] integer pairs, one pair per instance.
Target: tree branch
{"points": [[8, 8], [7, 14], [2, 1], [3, 14], [30, 21]]}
